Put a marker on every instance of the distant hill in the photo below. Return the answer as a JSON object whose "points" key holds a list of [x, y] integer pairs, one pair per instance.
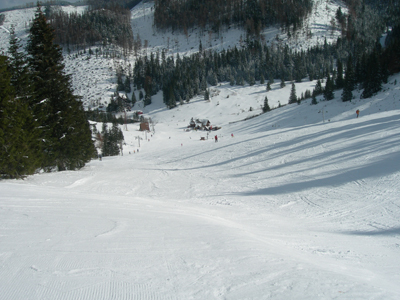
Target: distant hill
{"points": [[98, 60], [44, 3], [251, 15]]}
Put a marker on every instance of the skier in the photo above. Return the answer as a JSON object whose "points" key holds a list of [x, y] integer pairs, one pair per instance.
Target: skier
{"points": [[216, 138], [357, 112]]}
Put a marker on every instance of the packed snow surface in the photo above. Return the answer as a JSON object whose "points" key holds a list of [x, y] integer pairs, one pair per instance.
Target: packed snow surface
{"points": [[294, 205]]}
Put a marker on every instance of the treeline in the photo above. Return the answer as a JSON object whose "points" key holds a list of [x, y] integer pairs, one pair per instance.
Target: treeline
{"points": [[44, 3], [361, 58], [253, 15], [42, 123], [110, 117], [110, 25], [366, 20], [111, 4], [393, 50], [181, 79], [110, 141], [389, 10]]}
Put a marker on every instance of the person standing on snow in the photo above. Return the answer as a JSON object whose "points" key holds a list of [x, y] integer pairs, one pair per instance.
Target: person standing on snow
{"points": [[216, 138], [357, 112]]}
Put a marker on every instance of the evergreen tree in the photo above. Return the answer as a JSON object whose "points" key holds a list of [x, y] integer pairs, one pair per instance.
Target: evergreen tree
{"points": [[29, 142], [329, 87], [271, 79], [268, 86], [65, 132], [318, 88], [262, 79], [20, 79], [339, 78], [171, 101], [348, 87], [373, 80], [283, 83], [127, 85], [314, 99], [266, 105], [360, 71], [293, 97], [8, 129], [190, 94], [212, 78], [231, 80], [133, 99], [120, 84], [252, 80], [118, 136], [17, 159], [147, 99], [105, 150], [207, 94], [307, 94], [112, 140]]}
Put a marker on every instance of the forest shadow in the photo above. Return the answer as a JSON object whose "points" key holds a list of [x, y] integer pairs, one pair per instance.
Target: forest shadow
{"points": [[382, 167], [382, 232], [302, 142]]}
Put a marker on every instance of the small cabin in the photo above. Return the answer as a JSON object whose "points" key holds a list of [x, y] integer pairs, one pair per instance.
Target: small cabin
{"points": [[144, 126], [204, 122], [192, 123]]}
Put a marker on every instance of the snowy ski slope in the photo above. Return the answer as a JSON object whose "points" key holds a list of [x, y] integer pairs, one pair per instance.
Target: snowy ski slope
{"points": [[303, 202], [290, 207]]}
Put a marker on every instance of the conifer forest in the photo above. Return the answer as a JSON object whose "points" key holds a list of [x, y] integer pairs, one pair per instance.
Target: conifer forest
{"points": [[356, 59]]}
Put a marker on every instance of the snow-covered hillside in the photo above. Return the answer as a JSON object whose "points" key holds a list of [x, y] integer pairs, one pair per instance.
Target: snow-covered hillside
{"points": [[302, 202], [94, 78], [290, 207]]}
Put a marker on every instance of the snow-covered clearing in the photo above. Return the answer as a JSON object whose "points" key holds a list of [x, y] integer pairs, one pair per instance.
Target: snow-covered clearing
{"points": [[290, 207]]}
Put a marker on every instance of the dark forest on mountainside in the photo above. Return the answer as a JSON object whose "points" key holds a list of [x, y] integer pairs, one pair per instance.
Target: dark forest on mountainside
{"points": [[357, 59], [103, 23], [252, 15]]}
